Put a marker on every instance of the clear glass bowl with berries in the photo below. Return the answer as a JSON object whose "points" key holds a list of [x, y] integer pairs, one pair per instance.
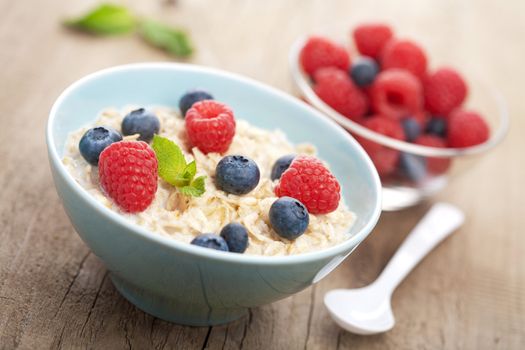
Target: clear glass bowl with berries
{"points": [[418, 123]]}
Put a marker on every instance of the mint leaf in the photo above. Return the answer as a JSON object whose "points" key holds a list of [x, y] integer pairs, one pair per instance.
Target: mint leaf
{"points": [[175, 41], [174, 170], [187, 175], [196, 188], [190, 171], [171, 160], [198, 183], [180, 181], [107, 19]]}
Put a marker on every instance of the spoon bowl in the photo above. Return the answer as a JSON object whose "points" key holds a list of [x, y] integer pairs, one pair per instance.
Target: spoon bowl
{"points": [[368, 313], [367, 310]]}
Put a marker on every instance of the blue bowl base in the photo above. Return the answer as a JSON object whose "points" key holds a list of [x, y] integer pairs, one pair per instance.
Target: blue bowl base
{"points": [[175, 311]]}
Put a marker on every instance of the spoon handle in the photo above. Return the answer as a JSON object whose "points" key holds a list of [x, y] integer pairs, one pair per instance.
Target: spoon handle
{"points": [[440, 221]]}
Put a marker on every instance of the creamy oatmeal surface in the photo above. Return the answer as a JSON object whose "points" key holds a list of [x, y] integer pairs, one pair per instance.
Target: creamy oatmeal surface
{"points": [[183, 218]]}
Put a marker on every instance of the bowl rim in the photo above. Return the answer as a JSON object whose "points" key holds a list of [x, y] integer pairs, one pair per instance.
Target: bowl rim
{"points": [[300, 79], [171, 243]]}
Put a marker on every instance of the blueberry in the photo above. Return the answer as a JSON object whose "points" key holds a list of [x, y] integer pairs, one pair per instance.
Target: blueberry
{"points": [[280, 166], [289, 217], [413, 167], [236, 237], [237, 174], [95, 140], [411, 128], [364, 71], [142, 122], [437, 126], [189, 98], [210, 240]]}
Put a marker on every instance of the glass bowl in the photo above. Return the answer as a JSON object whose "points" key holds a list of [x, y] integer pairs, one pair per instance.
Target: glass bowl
{"points": [[400, 190]]}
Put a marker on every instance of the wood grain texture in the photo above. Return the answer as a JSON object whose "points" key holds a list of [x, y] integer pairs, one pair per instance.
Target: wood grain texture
{"points": [[469, 293]]}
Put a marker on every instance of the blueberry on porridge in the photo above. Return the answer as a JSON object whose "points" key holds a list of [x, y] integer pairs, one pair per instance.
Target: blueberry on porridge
{"points": [[212, 241], [191, 97], [236, 236], [237, 174], [141, 122], [281, 165], [95, 140]]}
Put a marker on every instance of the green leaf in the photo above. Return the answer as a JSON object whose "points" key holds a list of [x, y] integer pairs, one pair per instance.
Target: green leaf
{"points": [[190, 171], [174, 170], [199, 182], [196, 188], [171, 161], [187, 175], [175, 41], [180, 181], [107, 19]]}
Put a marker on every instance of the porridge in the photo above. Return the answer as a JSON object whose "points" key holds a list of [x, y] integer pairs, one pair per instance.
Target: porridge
{"points": [[173, 213]]}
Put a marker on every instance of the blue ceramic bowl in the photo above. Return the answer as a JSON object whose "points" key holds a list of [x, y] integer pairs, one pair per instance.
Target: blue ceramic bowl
{"points": [[176, 281]]}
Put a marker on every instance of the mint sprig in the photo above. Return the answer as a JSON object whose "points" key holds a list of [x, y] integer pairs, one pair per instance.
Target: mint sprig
{"points": [[174, 170], [174, 41], [196, 188], [109, 19]]}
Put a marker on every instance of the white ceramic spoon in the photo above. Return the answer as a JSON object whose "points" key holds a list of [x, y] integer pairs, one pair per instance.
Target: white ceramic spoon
{"points": [[367, 310]]}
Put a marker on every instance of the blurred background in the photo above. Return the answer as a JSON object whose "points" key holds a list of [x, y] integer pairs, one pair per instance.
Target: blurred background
{"points": [[469, 293]]}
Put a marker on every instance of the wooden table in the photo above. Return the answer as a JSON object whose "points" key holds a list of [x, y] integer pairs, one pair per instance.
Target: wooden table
{"points": [[469, 293]]}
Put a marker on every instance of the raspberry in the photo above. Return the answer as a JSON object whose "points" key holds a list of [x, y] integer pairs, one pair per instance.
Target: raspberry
{"points": [[311, 183], [445, 90], [385, 126], [435, 165], [337, 90], [210, 126], [370, 38], [328, 74], [404, 54], [384, 158], [396, 94], [320, 52], [128, 174], [466, 128]]}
